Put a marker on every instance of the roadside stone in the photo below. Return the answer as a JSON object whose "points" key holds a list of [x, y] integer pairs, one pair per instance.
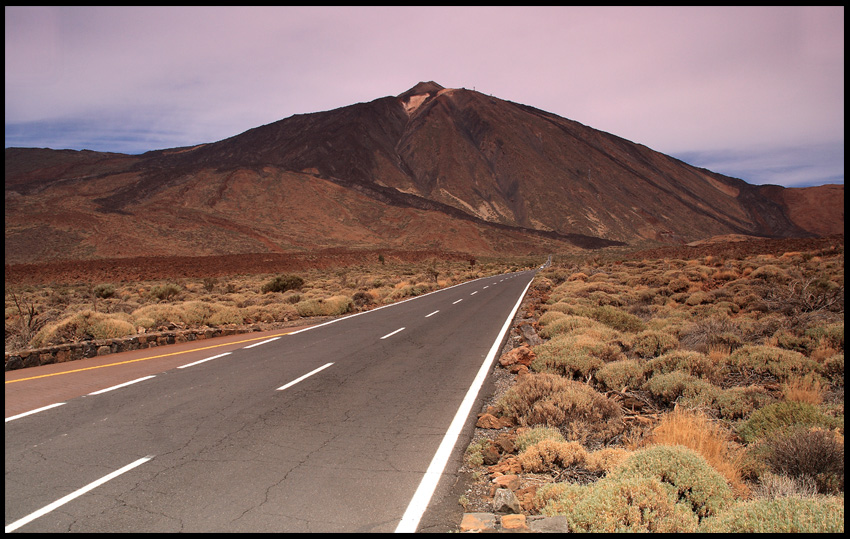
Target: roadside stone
{"points": [[509, 465], [490, 454], [505, 501], [489, 421], [506, 442], [478, 522], [522, 355], [507, 481], [514, 522], [556, 524]]}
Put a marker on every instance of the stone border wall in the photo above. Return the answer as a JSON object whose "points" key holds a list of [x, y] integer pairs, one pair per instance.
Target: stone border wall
{"points": [[88, 349]]}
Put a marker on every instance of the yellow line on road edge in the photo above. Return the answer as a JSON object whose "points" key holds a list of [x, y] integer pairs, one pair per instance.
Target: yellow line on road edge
{"points": [[144, 358]]}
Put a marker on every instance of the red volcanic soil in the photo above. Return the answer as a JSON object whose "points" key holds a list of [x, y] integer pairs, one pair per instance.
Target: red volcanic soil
{"points": [[155, 268]]}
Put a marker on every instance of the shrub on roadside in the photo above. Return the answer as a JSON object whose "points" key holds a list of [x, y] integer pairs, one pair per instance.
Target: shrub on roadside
{"points": [[528, 437], [83, 326], [165, 291], [576, 409], [549, 454], [782, 515], [626, 504], [564, 325], [737, 403], [697, 484], [574, 355]]}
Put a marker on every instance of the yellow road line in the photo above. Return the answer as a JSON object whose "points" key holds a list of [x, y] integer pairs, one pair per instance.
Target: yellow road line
{"points": [[144, 358]]}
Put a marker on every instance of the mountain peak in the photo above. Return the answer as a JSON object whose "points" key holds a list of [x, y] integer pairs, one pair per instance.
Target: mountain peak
{"points": [[429, 87]]}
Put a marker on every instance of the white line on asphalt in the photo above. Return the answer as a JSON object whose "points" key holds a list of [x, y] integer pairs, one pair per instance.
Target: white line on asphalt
{"points": [[458, 301], [43, 408], [62, 501], [393, 333], [432, 314], [487, 286], [203, 360], [262, 342], [474, 293], [311, 373], [121, 385], [419, 503]]}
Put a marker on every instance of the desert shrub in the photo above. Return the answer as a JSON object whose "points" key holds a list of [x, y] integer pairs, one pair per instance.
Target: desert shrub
{"points": [[165, 291], [564, 324], [573, 355], [549, 454], [801, 452], [782, 515], [788, 340], [103, 291], [227, 314], [770, 274], [606, 459], [737, 403], [617, 375], [161, 315], [564, 492], [688, 361], [628, 504], [282, 283], [474, 454], [652, 343], [549, 317], [332, 306], [528, 437], [773, 417], [577, 410], [689, 391], [678, 286], [83, 326], [768, 362], [833, 369], [706, 333], [698, 298], [195, 313], [616, 318], [697, 484], [771, 486], [692, 429]]}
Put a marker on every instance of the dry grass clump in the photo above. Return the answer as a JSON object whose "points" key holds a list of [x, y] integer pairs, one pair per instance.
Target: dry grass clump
{"points": [[621, 375], [781, 515], [85, 325]]}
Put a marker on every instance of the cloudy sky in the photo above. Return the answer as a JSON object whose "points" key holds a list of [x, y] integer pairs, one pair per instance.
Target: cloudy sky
{"points": [[752, 92]]}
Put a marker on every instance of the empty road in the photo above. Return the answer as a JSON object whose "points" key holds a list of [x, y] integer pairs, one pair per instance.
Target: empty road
{"points": [[342, 427]]}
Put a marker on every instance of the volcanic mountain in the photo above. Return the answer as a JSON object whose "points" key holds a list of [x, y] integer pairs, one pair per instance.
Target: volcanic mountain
{"points": [[431, 168]]}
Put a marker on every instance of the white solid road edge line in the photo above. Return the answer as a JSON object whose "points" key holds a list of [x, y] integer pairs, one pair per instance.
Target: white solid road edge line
{"points": [[62, 501], [419, 502], [311, 373], [122, 385], [43, 408]]}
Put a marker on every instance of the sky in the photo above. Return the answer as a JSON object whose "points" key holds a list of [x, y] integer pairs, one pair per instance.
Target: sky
{"points": [[756, 93]]}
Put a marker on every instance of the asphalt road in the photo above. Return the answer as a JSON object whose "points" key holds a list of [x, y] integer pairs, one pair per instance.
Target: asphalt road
{"points": [[356, 425]]}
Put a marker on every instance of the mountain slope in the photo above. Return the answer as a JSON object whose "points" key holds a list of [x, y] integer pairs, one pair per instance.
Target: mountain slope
{"points": [[429, 168]]}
